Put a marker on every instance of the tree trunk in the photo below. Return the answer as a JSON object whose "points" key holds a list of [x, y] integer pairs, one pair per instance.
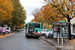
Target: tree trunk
{"points": [[69, 29]]}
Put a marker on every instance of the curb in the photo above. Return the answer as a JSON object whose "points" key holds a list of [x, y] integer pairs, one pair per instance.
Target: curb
{"points": [[3, 36], [52, 44], [0, 37]]}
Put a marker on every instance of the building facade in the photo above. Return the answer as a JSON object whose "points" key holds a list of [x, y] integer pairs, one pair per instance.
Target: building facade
{"points": [[73, 25]]}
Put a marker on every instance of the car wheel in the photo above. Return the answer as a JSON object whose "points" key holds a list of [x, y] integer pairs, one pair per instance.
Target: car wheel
{"points": [[51, 36], [3, 33], [72, 37], [46, 36], [8, 32]]}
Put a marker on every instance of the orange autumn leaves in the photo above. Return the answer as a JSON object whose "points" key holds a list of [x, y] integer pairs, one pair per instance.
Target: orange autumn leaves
{"points": [[38, 17], [48, 14], [51, 14], [12, 13], [6, 8], [57, 10]]}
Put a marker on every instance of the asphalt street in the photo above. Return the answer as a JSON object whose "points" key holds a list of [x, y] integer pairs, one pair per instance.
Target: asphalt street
{"points": [[18, 41]]}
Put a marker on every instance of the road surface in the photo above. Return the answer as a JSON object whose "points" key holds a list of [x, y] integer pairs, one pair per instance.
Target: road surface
{"points": [[18, 41]]}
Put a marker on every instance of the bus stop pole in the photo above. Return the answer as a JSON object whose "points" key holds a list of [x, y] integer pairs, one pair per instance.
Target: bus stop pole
{"points": [[62, 41], [58, 35], [62, 36], [58, 39]]}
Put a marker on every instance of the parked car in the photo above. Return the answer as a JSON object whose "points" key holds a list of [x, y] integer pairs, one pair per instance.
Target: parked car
{"points": [[0, 31], [11, 31], [43, 32], [18, 30], [3, 30], [73, 35], [49, 33], [8, 29], [22, 29]]}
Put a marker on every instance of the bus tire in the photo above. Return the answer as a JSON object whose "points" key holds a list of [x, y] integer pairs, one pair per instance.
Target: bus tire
{"points": [[26, 36], [37, 37]]}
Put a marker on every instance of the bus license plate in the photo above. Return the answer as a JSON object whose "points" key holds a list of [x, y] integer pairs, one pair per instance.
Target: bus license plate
{"points": [[33, 35]]}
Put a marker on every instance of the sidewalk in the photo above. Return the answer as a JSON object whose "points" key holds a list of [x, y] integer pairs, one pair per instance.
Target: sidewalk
{"points": [[67, 45], [5, 35]]}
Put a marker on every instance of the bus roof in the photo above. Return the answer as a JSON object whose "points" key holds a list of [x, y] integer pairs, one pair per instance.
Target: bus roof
{"points": [[34, 22]]}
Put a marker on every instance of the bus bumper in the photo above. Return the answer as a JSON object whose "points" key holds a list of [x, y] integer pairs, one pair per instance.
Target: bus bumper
{"points": [[33, 35]]}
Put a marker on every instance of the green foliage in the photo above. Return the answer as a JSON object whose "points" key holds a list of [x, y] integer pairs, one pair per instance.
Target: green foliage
{"points": [[19, 14]]}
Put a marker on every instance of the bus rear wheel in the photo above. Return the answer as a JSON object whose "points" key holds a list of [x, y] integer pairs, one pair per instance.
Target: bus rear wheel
{"points": [[26, 36]]}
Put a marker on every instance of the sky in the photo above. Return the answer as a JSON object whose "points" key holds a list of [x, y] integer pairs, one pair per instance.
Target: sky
{"points": [[29, 6]]}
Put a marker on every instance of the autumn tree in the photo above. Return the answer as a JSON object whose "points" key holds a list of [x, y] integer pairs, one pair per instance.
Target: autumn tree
{"points": [[51, 14], [38, 16], [65, 8], [19, 14], [6, 8], [35, 13]]}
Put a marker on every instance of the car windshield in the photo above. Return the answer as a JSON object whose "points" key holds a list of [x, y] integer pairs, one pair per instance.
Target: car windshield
{"points": [[45, 30], [49, 29]]}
